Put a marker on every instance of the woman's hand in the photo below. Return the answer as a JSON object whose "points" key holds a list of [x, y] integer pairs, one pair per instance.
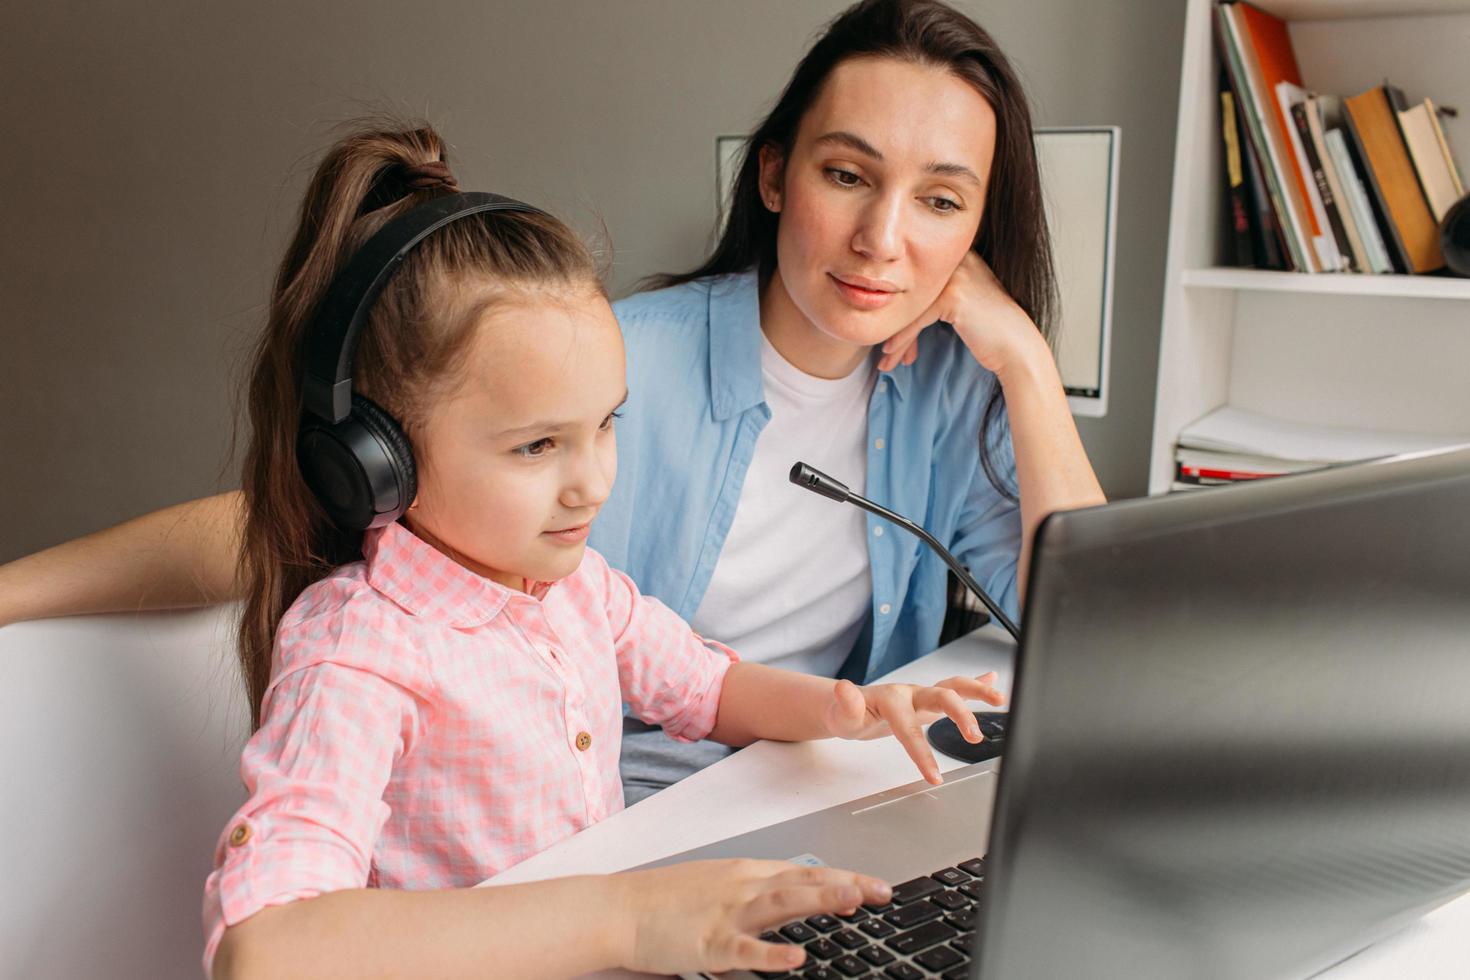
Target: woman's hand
{"points": [[707, 915], [992, 325], [901, 710]]}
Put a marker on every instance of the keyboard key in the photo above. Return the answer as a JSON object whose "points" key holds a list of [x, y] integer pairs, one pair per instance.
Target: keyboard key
{"points": [[772, 937], [876, 909], [858, 915], [798, 932], [773, 974], [912, 891], [850, 966], [974, 866], [902, 971], [958, 973], [912, 915], [922, 937], [821, 973], [823, 949], [949, 901], [963, 943], [951, 877], [824, 923], [938, 958], [961, 920], [848, 939], [877, 928], [877, 955], [971, 889]]}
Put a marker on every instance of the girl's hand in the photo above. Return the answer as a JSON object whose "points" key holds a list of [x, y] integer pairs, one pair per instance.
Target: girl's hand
{"points": [[900, 710], [707, 915], [992, 325]]}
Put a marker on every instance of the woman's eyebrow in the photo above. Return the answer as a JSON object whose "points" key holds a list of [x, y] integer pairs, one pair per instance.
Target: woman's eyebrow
{"points": [[856, 142]]}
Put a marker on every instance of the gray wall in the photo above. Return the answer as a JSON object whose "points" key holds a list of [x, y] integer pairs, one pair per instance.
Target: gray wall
{"points": [[154, 155]]}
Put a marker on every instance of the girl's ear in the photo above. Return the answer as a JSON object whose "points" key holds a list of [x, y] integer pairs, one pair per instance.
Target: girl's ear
{"points": [[772, 172]]}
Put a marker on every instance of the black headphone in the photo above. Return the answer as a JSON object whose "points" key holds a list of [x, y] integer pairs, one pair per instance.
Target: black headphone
{"points": [[352, 453]]}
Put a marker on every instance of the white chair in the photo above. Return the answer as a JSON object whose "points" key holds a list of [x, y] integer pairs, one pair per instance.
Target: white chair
{"points": [[121, 738]]}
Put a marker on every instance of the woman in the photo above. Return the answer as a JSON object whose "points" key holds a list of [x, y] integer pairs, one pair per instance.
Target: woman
{"points": [[890, 199]]}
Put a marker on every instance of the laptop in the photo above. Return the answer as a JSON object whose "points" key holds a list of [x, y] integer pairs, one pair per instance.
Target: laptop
{"points": [[1239, 747]]}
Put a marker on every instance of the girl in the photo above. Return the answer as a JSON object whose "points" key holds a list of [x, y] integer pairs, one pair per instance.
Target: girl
{"points": [[439, 698], [878, 305]]}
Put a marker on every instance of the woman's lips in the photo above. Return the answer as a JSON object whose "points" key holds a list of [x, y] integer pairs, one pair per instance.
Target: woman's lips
{"points": [[570, 535], [860, 296]]}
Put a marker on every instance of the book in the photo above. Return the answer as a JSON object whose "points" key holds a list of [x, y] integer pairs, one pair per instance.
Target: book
{"points": [[1294, 244], [1332, 246], [1444, 147], [1316, 111], [1236, 192], [1357, 198], [1373, 131], [1268, 58], [1438, 180], [1254, 230], [1322, 196]]}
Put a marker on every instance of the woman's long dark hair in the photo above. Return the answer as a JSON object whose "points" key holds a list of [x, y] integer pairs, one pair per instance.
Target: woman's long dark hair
{"points": [[1012, 239]]}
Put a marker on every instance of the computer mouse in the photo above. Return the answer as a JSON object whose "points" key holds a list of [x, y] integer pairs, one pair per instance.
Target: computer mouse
{"points": [[945, 736]]}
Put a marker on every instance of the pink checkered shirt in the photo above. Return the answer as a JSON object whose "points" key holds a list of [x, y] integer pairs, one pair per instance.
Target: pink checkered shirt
{"points": [[427, 728]]}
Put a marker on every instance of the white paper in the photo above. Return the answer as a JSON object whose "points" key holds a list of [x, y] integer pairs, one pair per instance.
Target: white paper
{"points": [[1234, 430]]}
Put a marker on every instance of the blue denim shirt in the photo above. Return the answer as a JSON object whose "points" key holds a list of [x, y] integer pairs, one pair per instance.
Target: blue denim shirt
{"points": [[695, 408]]}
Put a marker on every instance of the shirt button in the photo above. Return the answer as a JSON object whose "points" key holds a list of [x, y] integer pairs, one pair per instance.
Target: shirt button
{"points": [[239, 835], [878, 531], [884, 608], [584, 741], [878, 443]]}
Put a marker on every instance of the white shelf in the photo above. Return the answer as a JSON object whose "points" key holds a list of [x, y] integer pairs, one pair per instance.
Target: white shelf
{"points": [[1328, 284], [1378, 352], [1353, 9]]}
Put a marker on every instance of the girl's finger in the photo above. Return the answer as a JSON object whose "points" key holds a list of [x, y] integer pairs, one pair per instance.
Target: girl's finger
{"points": [[974, 688], [905, 725], [948, 702], [749, 953]]}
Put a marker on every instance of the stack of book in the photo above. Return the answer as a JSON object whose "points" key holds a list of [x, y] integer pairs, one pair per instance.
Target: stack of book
{"points": [[1319, 183], [1231, 445]]}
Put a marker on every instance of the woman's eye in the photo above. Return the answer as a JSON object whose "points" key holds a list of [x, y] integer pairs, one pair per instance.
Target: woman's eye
{"points": [[607, 423], [944, 205], [843, 178], [533, 449]]}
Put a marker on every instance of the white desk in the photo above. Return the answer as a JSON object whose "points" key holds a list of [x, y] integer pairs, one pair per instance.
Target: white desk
{"points": [[773, 781]]}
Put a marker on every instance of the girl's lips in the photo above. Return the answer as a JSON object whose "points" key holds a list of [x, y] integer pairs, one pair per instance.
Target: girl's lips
{"points": [[570, 535], [860, 297]]}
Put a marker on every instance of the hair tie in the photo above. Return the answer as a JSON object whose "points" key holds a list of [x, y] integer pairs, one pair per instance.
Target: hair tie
{"points": [[426, 176]]}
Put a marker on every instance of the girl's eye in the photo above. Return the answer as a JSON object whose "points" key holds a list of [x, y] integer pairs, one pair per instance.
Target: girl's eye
{"points": [[607, 423], [842, 178], [533, 449], [944, 205]]}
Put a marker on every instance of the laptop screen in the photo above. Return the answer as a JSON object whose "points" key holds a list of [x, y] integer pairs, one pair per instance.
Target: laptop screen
{"points": [[1240, 730]]}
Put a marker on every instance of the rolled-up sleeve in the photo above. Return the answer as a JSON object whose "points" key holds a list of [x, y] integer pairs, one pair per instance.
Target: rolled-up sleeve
{"points": [[315, 772], [670, 675]]}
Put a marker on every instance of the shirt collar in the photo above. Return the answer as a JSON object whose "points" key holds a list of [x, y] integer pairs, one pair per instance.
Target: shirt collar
{"points": [[735, 348], [428, 583], [735, 345]]}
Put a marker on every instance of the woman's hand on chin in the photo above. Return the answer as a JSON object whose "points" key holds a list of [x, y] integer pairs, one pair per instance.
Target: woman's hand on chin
{"points": [[995, 329]]}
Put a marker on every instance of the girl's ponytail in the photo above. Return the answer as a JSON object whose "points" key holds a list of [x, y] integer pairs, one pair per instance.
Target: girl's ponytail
{"points": [[408, 345]]}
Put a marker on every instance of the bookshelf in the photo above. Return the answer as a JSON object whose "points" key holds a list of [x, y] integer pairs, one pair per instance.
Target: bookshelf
{"points": [[1385, 352]]}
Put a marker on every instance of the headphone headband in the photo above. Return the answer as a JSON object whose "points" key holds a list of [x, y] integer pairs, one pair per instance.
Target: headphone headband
{"points": [[343, 312]]}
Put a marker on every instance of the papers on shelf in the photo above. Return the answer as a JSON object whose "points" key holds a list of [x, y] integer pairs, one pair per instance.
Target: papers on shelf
{"points": [[1231, 445]]}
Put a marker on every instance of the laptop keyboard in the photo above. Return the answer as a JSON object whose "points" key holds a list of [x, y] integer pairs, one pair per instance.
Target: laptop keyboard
{"points": [[927, 930]]}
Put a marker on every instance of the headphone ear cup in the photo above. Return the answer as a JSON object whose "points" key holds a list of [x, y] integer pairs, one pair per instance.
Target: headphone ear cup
{"points": [[361, 469]]}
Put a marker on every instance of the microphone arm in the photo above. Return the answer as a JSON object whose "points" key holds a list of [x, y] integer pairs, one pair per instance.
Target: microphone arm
{"points": [[818, 482]]}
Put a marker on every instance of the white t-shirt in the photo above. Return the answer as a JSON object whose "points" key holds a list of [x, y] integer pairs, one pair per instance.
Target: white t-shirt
{"points": [[792, 586]]}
